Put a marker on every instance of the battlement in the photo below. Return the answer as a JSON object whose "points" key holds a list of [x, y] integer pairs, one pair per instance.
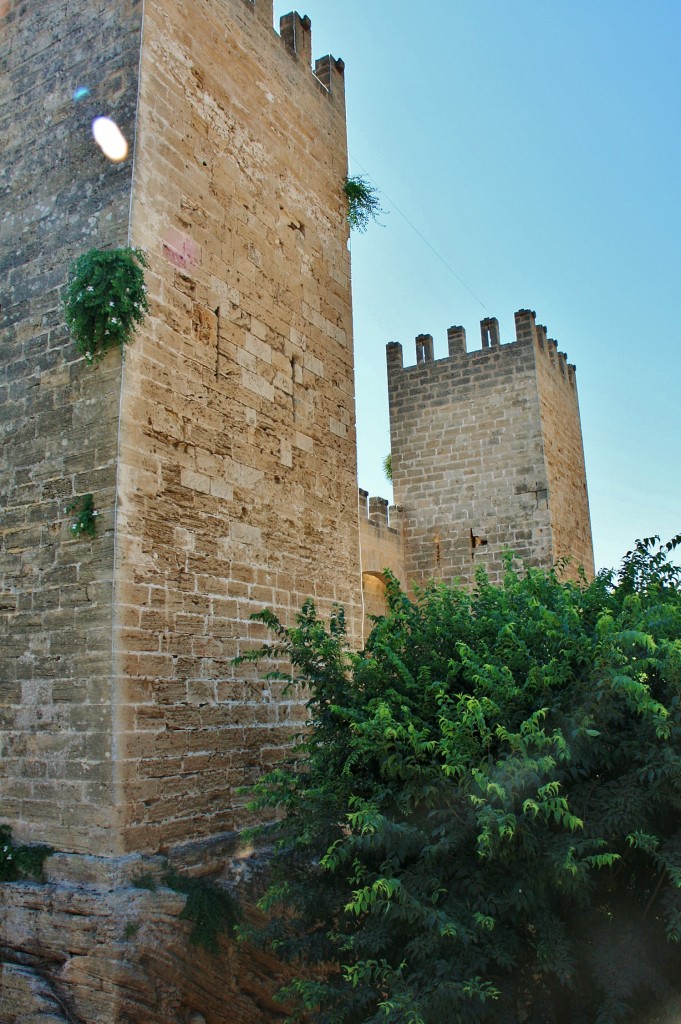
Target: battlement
{"points": [[378, 511], [528, 330], [529, 336], [381, 544], [295, 32], [487, 454]]}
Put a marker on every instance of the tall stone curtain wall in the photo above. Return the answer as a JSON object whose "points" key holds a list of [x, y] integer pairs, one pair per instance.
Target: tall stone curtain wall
{"points": [[236, 468], [487, 455], [60, 197], [237, 485]]}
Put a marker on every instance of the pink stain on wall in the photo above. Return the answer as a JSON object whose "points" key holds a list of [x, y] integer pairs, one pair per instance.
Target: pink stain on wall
{"points": [[180, 250]]}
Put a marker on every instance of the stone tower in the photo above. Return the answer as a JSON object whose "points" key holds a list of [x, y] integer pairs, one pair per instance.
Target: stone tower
{"points": [[220, 452], [487, 455]]}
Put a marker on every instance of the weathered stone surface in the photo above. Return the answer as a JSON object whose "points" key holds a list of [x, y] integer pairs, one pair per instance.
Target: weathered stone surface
{"points": [[564, 454], [101, 951], [221, 456], [236, 490], [58, 420], [487, 455], [26, 997]]}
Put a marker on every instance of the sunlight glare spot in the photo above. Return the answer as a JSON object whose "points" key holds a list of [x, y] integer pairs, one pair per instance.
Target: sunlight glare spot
{"points": [[110, 139]]}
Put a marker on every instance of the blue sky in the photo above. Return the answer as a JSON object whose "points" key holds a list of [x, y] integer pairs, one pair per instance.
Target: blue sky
{"points": [[535, 146]]}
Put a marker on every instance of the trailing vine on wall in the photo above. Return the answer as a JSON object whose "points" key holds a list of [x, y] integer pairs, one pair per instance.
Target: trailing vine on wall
{"points": [[105, 298]]}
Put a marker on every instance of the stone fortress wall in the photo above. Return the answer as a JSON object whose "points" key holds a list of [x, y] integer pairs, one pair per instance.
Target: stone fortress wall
{"points": [[237, 465], [60, 197], [487, 457], [221, 456], [563, 450], [381, 543]]}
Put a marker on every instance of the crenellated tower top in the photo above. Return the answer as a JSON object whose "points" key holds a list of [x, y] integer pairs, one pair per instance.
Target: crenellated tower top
{"points": [[487, 453], [529, 335], [295, 31]]}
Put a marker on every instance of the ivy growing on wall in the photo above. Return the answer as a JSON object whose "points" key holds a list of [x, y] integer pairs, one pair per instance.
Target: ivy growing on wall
{"points": [[105, 298]]}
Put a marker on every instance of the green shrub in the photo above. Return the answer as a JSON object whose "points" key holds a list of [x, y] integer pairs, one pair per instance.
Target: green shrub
{"points": [[105, 298], [483, 823], [85, 516], [363, 202]]}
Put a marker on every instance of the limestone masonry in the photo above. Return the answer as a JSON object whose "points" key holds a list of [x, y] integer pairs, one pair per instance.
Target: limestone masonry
{"points": [[221, 454], [487, 455]]}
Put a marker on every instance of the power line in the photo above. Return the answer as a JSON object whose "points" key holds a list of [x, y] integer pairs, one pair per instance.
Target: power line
{"points": [[420, 234]]}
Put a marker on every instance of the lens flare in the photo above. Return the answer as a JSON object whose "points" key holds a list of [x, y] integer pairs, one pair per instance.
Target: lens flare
{"points": [[110, 139], [80, 93]]}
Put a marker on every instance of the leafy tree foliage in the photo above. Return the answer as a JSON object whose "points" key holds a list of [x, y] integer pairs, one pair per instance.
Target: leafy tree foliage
{"points": [[483, 823]]}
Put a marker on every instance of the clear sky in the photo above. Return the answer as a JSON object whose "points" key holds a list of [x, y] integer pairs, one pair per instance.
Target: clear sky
{"points": [[536, 147]]}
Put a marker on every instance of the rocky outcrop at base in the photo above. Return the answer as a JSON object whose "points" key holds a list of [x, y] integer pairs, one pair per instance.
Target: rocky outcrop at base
{"points": [[90, 946]]}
